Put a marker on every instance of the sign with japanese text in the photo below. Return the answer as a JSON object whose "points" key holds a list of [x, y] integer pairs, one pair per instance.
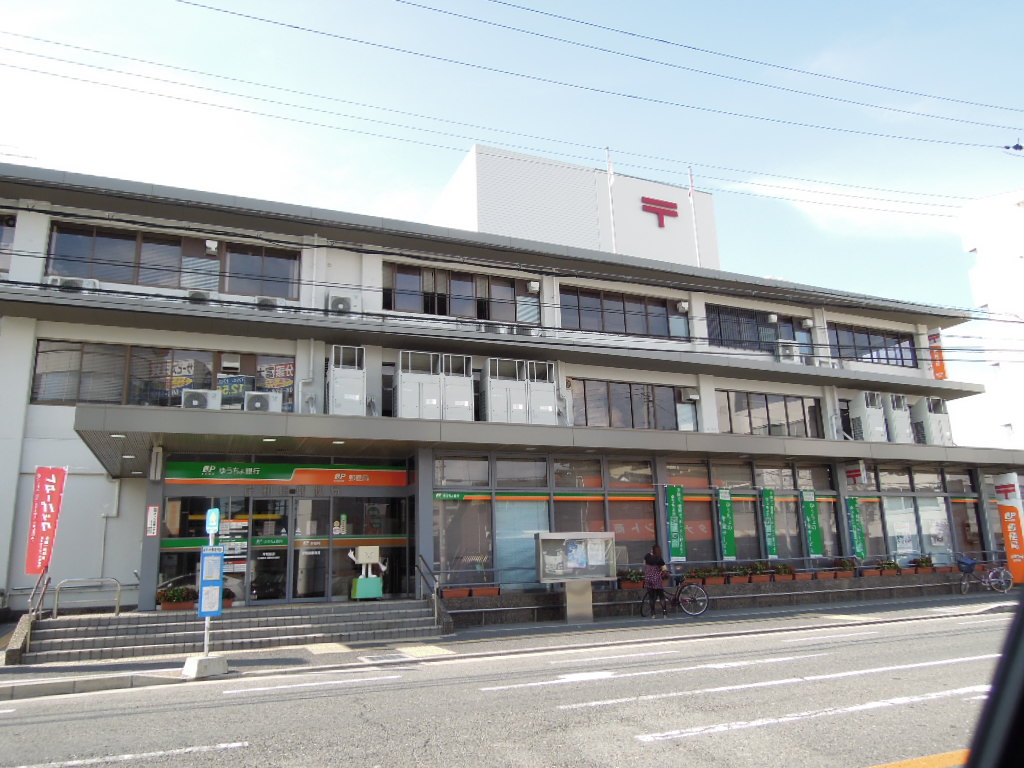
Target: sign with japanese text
{"points": [[727, 523], [676, 515], [47, 495], [1009, 504], [211, 580], [153, 520], [768, 513], [812, 524], [938, 360], [856, 528], [232, 473]]}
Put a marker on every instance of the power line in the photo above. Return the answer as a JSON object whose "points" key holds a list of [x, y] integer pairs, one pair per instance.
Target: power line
{"points": [[658, 62], [449, 121], [586, 88], [746, 60]]}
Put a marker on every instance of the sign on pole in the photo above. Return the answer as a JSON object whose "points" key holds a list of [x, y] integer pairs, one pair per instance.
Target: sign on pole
{"points": [[211, 581], [213, 520], [676, 514], [768, 514], [47, 495], [1009, 505], [812, 523], [727, 522], [856, 528]]}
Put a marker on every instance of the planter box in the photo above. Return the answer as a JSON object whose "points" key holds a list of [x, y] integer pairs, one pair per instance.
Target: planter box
{"points": [[455, 592], [739, 579], [945, 568], [890, 571], [631, 585], [869, 572], [804, 576], [760, 578], [714, 580], [486, 591], [178, 606], [924, 569], [845, 574], [786, 576]]}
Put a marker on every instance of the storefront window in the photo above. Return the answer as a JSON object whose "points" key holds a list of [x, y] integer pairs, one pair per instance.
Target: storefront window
{"points": [[778, 476], [630, 474], [688, 474], [828, 521], [927, 480], [521, 473], [460, 472], [787, 528], [577, 473], [579, 515], [725, 475], [817, 478], [748, 542], [904, 539], [958, 481], [935, 535], [966, 533], [462, 539], [894, 478], [515, 549], [861, 477], [871, 519], [700, 532], [632, 522]]}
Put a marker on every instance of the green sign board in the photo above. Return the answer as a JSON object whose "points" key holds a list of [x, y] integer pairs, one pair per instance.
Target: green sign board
{"points": [[768, 513], [727, 524], [676, 516], [812, 524], [856, 528]]}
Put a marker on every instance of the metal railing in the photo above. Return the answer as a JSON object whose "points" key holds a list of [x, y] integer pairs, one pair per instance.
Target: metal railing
{"points": [[81, 582], [38, 595], [426, 578]]}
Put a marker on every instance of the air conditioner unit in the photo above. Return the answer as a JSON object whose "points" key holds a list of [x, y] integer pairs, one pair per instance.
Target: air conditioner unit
{"points": [[867, 417], [931, 422], [897, 418], [788, 351], [267, 302], [343, 303], [533, 286], [230, 362], [346, 383], [263, 402], [773, 318], [201, 399], [199, 296], [73, 283], [682, 307], [212, 247], [807, 323]]}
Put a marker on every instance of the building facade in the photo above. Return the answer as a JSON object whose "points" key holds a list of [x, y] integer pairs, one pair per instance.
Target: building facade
{"points": [[327, 380]]}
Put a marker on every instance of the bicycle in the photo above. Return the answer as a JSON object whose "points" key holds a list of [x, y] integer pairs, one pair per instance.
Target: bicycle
{"points": [[998, 578], [689, 598]]}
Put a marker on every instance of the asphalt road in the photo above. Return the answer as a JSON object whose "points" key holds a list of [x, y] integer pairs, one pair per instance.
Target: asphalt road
{"points": [[858, 695]]}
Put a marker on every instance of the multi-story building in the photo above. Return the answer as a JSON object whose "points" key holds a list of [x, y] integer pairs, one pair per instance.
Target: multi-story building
{"points": [[328, 380]]}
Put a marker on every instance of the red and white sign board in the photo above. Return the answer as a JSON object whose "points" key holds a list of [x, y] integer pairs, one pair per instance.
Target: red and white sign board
{"points": [[42, 533], [1009, 502]]}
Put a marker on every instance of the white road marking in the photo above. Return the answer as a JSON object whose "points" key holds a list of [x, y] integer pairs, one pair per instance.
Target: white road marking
{"points": [[798, 716], [827, 637], [140, 756], [313, 685], [985, 621], [6, 711], [770, 683], [608, 674], [613, 658]]}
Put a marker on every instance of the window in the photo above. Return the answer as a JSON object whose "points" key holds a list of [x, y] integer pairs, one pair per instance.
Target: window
{"points": [[612, 312], [442, 292], [872, 346], [753, 413], [456, 471], [68, 372], [630, 406], [168, 261], [6, 242]]}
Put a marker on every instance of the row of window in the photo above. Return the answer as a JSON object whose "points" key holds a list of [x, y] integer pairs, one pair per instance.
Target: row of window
{"points": [[460, 294], [632, 406], [612, 312], [872, 346], [754, 330], [6, 241], [755, 413], [72, 372], [166, 261]]}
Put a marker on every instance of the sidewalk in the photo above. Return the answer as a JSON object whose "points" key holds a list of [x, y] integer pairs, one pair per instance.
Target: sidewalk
{"points": [[22, 682]]}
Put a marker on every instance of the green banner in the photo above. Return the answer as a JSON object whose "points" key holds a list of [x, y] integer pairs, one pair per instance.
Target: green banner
{"points": [[727, 524], [856, 528], [768, 514], [812, 524], [448, 496], [675, 513]]}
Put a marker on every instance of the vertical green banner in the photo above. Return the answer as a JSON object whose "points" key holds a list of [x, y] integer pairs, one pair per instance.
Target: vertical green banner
{"points": [[727, 524], [768, 514], [812, 524], [675, 513], [856, 528]]}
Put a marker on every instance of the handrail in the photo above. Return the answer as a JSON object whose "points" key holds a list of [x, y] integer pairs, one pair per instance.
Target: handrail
{"points": [[35, 601], [426, 575], [62, 583]]}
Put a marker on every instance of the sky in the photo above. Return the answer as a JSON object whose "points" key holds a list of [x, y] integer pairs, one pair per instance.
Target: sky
{"points": [[839, 140]]}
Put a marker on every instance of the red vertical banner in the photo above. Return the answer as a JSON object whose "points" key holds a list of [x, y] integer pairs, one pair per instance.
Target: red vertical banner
{"points": [[42, 533], [1009, 502], [938, 360]]}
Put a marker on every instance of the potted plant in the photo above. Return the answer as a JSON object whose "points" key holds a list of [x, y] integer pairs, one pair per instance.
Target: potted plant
{"points": [[923, 564], [714, 575], [784, 572], [177, 598], [738, 575], [889, 567], [759, 572], [631, 578], [844, 567]]}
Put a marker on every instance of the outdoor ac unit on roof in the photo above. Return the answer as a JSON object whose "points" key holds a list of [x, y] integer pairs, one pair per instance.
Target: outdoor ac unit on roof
{"points": [[73, 283], [267, 302], [201, 399], [343, 303], [199, 296], [788, 351], [263, 402]]}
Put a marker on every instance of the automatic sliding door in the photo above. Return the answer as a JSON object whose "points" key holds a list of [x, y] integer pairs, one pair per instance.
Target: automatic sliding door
{"points": [[268, 558], [311, 549]]}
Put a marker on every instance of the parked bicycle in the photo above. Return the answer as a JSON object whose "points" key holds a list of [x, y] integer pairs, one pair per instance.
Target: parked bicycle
{"points": [[998, 578], [689, 598]]}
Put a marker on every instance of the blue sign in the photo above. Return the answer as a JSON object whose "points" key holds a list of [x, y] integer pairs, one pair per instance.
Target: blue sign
{"points": [[211, 580], [213, 520]]}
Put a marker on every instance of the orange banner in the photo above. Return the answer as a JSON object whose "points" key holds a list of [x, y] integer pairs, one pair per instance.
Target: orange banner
{"points": [[1009, 504]]}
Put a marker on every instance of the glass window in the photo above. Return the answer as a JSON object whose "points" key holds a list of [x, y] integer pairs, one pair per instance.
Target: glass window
{"points": [[521, 473], [642, 400], [102, 376], [257, 271], [678, 322], [408, 294], [570, 305], [894, 478], [748, 541], [590, 311], [758, 406], [502, 300], [700, 531], [796, 420], [657, 317], [7, 224], [927, 479], [670, 415], [636, 315], [777, 421], [935, 534], [901, 524], [966, 531], [816, 477], [958, 481], [689, 474], [614, 313], [787, 528], [872, 345], [726, 475], [620, 405], [871, 519], [579, 403], [773, 476], [630, 474], [577, 473], [579, 515], [527, 303], [515, 550], [56, 373], [632, 522], [460, 471], [597, 404], [828, 523], [725, 424], [114, 257], [71, 251], [160, 261], [740, 413], [463, 540], [462, 296]]}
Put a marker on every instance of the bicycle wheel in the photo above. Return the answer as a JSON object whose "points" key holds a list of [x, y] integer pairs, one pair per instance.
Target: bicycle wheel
{"points": [[693, 599], [1000, 579], [965, 583], [645, 606]]}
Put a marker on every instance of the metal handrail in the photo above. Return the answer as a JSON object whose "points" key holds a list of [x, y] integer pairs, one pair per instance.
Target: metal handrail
{"points": [[426, 575], [38, 595], [61, 584]]}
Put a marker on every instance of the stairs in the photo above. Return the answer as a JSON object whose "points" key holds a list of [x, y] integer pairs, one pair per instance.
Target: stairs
{"points": [[97, 637]]}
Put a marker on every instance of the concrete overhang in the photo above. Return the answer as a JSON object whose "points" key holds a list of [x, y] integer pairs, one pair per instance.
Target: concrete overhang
{"points": [[112, 432]]}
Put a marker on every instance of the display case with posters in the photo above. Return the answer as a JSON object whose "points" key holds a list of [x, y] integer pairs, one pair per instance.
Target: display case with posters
{"points": [[575, 556]]}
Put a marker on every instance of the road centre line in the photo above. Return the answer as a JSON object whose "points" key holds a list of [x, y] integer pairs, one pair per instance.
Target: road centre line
{"points": [[312, 685], [613, 658], [827, 637], [1004, 619], [900, 701], [608, 674], [770, 683], [140, 756]]}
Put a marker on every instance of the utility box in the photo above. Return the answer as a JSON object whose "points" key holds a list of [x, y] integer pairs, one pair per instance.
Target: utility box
{"points": [[930, 421], [867, 417], [418, 385], [519, 392], [457, 388], [897, 418], [346, 381]]}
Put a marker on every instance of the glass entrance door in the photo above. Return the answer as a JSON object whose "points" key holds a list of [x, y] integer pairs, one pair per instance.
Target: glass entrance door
{"points": [[268, 554], [311, 548]]}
